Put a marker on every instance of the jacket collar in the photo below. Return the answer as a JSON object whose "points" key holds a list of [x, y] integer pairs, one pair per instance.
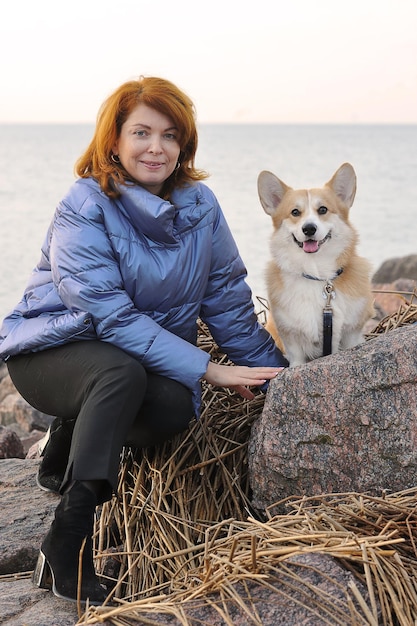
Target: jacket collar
{"points": [[148, 213], [159, 219]]}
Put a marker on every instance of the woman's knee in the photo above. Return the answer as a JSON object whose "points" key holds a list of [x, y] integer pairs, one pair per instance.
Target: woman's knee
{"points": [[168, 397], [166, 411], [111, 366]]}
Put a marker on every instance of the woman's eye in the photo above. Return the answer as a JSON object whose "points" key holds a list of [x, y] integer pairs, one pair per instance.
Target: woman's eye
{"points": [[322, 210], [295, 212], [140, 133], [170, 136]]}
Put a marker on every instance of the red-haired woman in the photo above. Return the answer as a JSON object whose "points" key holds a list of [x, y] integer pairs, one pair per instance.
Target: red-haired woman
{"points": [[104, 337]]}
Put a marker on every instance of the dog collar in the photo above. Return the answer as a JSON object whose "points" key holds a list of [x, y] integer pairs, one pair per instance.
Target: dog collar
{"points": [[324, 280]]}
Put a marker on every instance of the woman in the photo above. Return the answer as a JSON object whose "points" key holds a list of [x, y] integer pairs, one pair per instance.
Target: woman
{"points": [[104, 337]]}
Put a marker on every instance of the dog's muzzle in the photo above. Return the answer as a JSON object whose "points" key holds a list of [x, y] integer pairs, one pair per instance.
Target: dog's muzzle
{"points": [[312, 245]]}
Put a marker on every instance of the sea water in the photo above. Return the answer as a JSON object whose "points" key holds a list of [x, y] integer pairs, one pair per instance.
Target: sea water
{"points": [[36, 169]]}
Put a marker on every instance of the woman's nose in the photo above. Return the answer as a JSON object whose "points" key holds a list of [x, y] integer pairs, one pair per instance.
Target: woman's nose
{"points": [[155, 146]]}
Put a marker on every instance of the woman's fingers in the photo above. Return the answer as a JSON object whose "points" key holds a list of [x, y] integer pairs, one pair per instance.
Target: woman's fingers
{"points": [[244, 392], [239, 375]]}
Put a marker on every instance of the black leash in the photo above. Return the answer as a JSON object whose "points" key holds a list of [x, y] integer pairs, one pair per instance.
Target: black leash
{"points": [[328, 318], [328, 293]]}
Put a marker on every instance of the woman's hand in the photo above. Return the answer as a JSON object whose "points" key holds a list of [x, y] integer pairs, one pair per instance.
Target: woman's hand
{"points": [[239, 377]]}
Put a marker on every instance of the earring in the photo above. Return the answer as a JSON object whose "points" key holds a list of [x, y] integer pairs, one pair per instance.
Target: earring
{"points": [[178, 165], [115, 158]]}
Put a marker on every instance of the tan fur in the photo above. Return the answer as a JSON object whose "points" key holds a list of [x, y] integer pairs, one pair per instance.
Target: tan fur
{"points": [[326, 245]]}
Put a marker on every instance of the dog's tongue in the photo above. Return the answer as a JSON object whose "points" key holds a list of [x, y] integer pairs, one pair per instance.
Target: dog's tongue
{"points": [[310, 245]]}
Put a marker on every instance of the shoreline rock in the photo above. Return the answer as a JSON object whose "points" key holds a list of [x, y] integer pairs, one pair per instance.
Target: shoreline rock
{"points": [[344, 423]]}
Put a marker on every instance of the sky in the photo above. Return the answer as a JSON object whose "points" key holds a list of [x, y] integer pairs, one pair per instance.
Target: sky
{"points": [[269, 61]]}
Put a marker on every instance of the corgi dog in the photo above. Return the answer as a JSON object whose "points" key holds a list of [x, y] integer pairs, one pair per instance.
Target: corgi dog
{"points": [[319, 289]]}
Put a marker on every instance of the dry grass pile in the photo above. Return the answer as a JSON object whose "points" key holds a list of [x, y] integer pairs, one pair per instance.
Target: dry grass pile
{"points": [[169, 496], [182, 529], [405, 315], [374, 537]]}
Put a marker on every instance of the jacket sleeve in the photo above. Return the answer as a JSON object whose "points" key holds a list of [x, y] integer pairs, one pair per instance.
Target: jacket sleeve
{"points": [[228, 308], [87, 277]]}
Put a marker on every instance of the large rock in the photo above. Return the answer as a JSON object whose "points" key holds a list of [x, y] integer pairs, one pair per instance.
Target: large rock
{"points": [[23, 422], [392, 269], [23, 604], [389, 297], [25, 515], [347, 422], [6, 385], [11, 446], [14, 409]]}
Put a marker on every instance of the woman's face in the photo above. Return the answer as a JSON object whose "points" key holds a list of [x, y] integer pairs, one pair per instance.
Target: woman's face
{"points": [[148, 147]]}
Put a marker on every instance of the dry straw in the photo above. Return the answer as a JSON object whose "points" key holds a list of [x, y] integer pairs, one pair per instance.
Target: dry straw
{"points": [[406, 313], [182, 535]]}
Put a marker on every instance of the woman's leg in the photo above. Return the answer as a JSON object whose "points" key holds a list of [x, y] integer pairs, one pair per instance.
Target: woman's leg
{"points": [[103, 391], [68, 541], [54, 451], [166, 410], [102, 388], [97, 385]]}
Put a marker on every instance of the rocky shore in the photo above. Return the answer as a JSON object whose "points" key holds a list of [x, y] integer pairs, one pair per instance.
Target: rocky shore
{"points": [[346, 423]]}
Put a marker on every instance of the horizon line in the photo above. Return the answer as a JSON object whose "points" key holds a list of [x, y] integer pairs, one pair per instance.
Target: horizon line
{"points": [[224, 123]]}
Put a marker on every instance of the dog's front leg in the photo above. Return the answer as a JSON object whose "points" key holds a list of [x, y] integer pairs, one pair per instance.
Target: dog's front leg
{"points": [[351, 339], [295, 354]]}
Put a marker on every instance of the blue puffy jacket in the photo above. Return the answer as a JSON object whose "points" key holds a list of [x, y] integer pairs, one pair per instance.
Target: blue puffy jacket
{"points": [[138, 272]]}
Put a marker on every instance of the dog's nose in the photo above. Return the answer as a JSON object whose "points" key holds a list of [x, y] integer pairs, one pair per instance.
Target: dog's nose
{"points": [[309, 229]]}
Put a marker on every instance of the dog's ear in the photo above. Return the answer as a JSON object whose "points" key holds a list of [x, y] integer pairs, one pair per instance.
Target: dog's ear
{"points": [[271, 190], [343, 183]]}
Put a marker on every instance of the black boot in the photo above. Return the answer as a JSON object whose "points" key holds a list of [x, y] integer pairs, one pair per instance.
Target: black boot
{"points": [[58, 563], [54, 449]]}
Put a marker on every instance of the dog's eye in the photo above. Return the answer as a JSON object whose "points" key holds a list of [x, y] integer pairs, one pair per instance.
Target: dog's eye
{"points": [[322, 210], [296, 212]]}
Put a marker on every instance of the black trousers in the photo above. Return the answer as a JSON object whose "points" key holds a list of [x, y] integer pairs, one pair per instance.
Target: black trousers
{"points": [[113, 399]]}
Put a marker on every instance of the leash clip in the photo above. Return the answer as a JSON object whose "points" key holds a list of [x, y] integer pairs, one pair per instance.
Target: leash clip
{"points": [[328, 293]]}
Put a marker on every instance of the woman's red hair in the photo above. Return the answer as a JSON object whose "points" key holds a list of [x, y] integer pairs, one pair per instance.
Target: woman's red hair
{"points": [[158, 94]]}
